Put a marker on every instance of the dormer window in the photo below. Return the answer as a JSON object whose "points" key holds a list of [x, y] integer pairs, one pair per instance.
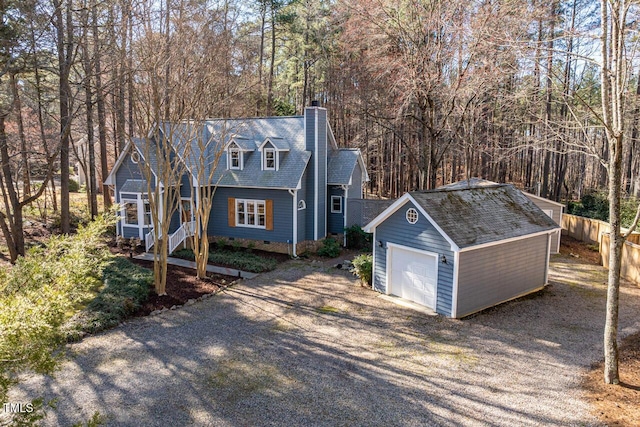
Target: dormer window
{"points": [[234, 158], [269, 159], [272, 149]]}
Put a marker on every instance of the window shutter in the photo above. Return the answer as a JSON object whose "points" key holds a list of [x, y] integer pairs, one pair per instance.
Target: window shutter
{"points": [[231, 211], [268, 206]]}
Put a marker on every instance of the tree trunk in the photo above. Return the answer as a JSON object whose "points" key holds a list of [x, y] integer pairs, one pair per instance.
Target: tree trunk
{"points": [[26, 181], [13, 233], [88, 69], [102, 126], [65, 56]]}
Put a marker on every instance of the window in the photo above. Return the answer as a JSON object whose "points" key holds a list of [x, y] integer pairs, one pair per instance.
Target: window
{"points": [[412, 216], [130, 208], [269, 159], [234, 155], [302, 205], [147, 213], [336, 204], [135, 157], [250, 213]]}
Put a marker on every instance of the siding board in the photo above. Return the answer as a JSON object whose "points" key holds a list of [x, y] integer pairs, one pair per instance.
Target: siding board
{"points": [[495, 274], [282, 215]]}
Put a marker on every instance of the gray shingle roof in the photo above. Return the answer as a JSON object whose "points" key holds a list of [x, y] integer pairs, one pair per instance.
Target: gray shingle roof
{"points": [[280, 144], [209, 140], [340, 166], [481, 215], [468, 183], [134, 186], [246, 144]]}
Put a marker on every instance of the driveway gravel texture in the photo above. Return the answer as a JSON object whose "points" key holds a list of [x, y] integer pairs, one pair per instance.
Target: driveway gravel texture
{"points": [[306, 345]]}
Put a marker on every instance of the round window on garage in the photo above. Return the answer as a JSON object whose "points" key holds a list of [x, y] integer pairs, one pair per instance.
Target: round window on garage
{"points": [[412, 216]]}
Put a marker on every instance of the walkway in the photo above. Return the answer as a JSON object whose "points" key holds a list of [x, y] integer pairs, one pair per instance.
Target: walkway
{"points": [[210, 268]]}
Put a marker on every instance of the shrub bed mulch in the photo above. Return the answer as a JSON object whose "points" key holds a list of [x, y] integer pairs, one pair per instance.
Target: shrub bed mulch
{"points": [[618, 405], [182, 285]]}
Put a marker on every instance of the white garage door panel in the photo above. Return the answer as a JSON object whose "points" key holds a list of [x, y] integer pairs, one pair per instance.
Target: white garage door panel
{"points": [[413, 276]]}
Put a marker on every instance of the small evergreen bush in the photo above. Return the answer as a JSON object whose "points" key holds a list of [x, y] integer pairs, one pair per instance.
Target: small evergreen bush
{"points": [[363, 267], [358, 239], [241, 260], [330, 248]]}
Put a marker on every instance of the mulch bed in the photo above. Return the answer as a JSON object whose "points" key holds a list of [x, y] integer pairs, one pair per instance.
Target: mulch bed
{"points": [[618, 405], [577, 249], [182, 285]]}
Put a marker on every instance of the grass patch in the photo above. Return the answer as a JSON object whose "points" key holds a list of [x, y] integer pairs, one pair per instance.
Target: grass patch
{"points": [[327, 309], [235, 259], [126, 287], [235, 380]]}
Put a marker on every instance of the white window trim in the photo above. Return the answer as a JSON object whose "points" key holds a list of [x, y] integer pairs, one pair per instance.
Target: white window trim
{"points": [[413, 211], [275, 159], [302, 205], [145, 203], [135, 157], [231, 150], [125, 202], [332, 208], [246, 212]]}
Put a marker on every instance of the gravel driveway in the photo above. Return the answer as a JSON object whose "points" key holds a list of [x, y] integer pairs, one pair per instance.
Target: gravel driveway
{"points": [[306, 345]]}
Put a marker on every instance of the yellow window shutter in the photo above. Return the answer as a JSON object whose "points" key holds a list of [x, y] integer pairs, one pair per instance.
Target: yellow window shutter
{"points": [[231, 202], [269, 213]]}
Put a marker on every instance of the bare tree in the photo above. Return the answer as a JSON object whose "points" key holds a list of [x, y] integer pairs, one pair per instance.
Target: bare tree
{"points": [[615, 73]]}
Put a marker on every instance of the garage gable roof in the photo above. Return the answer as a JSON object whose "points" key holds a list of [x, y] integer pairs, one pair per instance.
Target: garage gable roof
{"points": [[470, 217]]}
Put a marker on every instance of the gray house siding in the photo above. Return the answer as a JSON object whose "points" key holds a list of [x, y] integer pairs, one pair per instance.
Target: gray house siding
{"points": [[322, 172], [282, 215], [355, 190], [421, 235], [335, 221], [487, 276], [127, 170], [185, 186], [317, 166], [556, 216], [302, 214]]}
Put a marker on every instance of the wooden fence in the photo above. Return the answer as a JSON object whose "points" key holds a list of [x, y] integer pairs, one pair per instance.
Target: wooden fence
{"points": [[630, 268], [596, 232]]}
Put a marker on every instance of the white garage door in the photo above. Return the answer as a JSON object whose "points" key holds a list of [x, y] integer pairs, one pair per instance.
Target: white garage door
{"points": [[413, 275]]}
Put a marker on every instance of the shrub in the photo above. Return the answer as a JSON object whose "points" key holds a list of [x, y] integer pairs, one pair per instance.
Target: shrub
{"points": [[235, 259], [39, 292], [126, 287], [596, 205], [358, 239], [330, 248], [74, 187], [363, 267]]}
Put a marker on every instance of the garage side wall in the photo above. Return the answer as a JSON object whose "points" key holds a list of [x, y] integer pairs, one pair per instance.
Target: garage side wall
{"points": [[556, 216], [494, 274], [421, 235]]}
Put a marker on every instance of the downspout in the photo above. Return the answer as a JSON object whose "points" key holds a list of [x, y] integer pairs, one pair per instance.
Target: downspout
{"points": [[294, 194], [344, 214]]}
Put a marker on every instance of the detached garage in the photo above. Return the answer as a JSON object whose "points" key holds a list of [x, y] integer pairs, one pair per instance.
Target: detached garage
{"points": [[459, 251]]}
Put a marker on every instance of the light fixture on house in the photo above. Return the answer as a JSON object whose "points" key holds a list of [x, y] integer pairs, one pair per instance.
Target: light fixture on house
{"points": [[443, 259]]}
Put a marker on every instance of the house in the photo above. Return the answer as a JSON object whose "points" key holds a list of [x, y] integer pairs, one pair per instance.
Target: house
{"points": [[459, 251], [550, 207], [282, 182]]}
